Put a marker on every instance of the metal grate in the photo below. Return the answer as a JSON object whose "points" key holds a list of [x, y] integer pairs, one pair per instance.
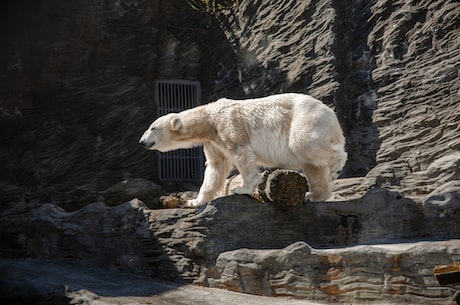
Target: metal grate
{"points": [[183, 165]]}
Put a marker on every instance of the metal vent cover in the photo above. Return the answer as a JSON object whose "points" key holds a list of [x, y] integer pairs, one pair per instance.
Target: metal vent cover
{"points": [[183, 165]]}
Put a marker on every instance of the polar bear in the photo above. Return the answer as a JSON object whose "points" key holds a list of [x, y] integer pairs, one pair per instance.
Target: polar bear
{"points": [[290, 131]]}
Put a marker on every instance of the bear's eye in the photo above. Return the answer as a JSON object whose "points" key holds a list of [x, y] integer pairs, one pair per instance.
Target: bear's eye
{"points": [[152, 129]]}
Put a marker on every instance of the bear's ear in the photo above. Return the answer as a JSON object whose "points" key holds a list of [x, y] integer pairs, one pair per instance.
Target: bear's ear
{"points": [[175, 124]]}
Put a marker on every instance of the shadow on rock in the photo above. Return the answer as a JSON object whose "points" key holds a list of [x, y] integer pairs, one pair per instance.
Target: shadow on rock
{"points": [[38, 281], [97, 236]]}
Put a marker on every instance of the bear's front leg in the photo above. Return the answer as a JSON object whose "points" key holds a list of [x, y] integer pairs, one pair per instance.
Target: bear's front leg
{"points": [[195, 203], [217, 169]]}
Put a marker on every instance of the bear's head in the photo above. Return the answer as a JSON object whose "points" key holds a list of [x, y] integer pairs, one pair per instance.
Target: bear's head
{"points": [[166, 134]]}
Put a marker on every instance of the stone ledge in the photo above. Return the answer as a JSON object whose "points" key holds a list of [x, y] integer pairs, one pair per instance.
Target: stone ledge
{"points": [[192, 245], [400, 273]]}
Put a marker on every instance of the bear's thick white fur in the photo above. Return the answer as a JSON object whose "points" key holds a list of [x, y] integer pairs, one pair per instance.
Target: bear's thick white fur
{"points": [[291, 131]]}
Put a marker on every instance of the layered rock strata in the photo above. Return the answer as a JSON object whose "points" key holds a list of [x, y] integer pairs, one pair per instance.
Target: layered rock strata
{"points": [[204, 246]]}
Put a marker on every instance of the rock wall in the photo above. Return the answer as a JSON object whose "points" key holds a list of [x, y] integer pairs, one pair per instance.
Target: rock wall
{"points": [[75, 91], [76, 79], [390, 69], [415, 81]]}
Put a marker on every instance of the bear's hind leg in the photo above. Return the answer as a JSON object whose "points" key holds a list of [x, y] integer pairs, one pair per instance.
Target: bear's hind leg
{"points": [[246, 163], [337, 161], [319, 182]]}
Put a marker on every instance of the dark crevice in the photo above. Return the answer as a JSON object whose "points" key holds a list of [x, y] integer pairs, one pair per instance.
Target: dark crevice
{"points": [[356, 98]]}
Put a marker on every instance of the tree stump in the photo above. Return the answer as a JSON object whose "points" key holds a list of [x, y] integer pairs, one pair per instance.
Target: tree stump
{"points": [[281, 186]]}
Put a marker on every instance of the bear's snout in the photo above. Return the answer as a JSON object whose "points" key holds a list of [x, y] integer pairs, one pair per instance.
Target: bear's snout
{"points": [[145, 143]]}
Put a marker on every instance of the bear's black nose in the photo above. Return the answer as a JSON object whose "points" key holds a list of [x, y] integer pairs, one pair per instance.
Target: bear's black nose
{"points": [[145, 143]]}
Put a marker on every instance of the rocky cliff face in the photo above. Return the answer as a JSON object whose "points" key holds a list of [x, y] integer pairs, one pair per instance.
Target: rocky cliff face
{"points": [[389, 68], [76, 92], [76, 87]]}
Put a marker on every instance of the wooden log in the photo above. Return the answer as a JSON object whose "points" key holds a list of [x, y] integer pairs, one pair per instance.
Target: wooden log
{"points": [[280, 186], [448, 274]]}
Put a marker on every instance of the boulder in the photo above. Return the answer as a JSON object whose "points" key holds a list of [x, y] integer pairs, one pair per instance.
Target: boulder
{"points": [[70, 200], [442, 210], [445, 169], [142, 189]]}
